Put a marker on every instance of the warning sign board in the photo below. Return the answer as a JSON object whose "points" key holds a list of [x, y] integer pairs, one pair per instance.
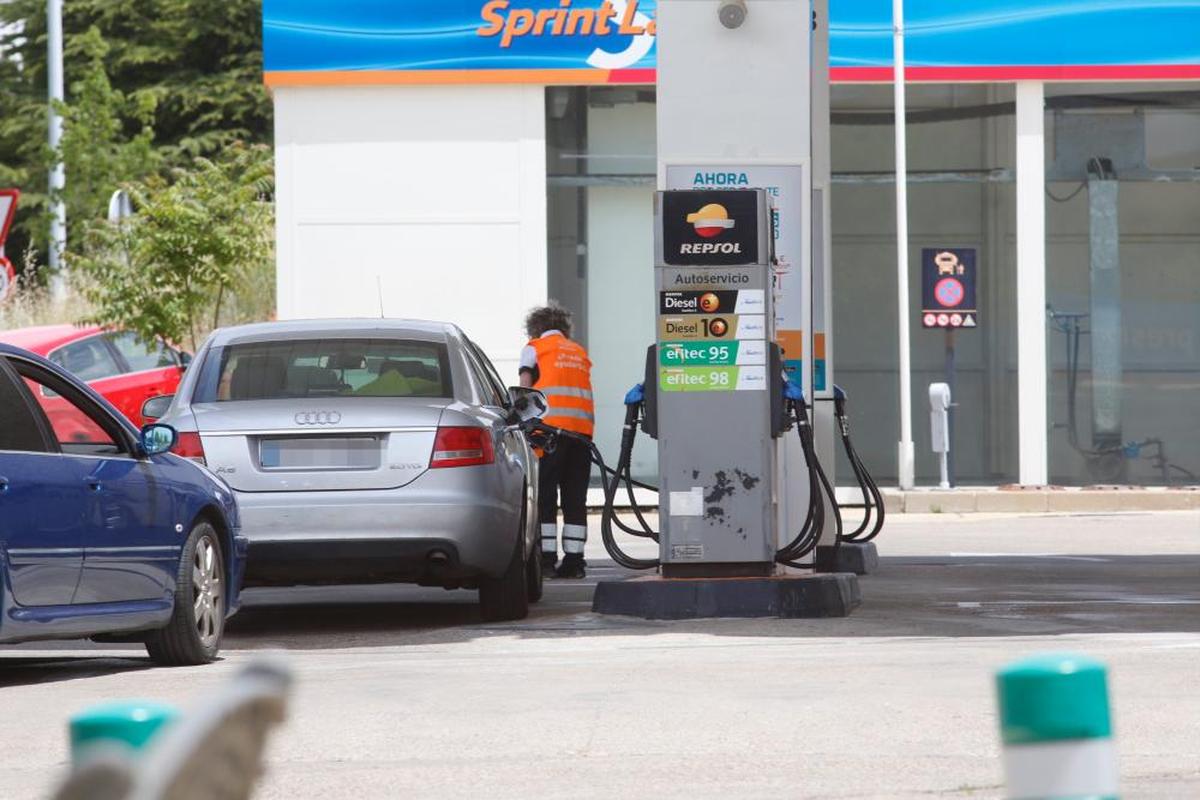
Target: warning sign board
{"points": [[948, 279], [8, 209]]}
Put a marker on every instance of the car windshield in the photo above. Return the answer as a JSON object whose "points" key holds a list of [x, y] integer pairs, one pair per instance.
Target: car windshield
{"points": [[325, 368]]}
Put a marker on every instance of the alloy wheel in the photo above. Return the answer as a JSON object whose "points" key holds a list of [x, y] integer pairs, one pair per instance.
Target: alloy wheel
{"points": [[208, 606]]}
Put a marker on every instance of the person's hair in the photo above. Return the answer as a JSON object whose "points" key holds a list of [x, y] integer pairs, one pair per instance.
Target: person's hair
{"points": [[552, 317]]}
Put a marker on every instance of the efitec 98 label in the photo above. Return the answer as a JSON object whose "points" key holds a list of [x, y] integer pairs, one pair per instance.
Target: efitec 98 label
{"points": [[712, 379]]}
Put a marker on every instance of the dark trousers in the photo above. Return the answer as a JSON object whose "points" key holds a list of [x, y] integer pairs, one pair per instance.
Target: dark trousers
{"points": [[564, 472]]}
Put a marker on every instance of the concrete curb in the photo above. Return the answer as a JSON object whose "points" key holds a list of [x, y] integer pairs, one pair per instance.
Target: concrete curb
{"points": [[785, 596], [1034, 500]]}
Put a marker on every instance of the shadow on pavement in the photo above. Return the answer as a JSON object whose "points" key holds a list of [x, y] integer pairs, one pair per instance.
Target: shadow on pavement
{"points": [[18, 670], [935, 596], [919, 596]]}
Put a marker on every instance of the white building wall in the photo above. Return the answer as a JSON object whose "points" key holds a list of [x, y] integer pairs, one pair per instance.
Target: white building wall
{"points": [[428, 200]]}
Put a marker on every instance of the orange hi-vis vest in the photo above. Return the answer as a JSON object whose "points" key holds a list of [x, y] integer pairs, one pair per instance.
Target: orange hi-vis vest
{"points": [[565, 377]]}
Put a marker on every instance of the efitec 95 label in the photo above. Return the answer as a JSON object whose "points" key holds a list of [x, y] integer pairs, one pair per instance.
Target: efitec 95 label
{"points": [[731, 353]]}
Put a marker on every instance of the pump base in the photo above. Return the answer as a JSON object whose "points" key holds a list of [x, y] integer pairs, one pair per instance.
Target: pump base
{"points": [[785, 596], [861, 558]]}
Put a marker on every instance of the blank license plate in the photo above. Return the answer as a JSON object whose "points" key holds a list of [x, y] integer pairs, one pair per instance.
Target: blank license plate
{"points": [[320, 452]]}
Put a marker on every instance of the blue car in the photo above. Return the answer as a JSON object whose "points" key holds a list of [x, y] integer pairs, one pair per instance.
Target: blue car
{"points": [[103, 533]]}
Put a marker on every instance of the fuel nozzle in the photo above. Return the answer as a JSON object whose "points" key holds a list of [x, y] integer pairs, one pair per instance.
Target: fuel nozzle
{"points": [[839, 400], [634, 399], [793, 395], [839, 409]]}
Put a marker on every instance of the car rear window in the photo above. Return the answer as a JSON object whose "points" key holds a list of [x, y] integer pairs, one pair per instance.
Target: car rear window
{"points": [[324, 368]]}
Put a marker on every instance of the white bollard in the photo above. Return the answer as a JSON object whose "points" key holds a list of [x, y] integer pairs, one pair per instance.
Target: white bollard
{"points": [[1056, 729], [939, 428]]}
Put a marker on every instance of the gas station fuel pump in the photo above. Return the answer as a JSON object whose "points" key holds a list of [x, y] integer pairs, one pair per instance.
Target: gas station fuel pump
{"points": [[718, 380], [716, 399]]}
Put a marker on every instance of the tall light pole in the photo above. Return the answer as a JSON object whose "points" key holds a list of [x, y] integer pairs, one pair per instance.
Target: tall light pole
{"points": [[58, 176], [906, 456]]}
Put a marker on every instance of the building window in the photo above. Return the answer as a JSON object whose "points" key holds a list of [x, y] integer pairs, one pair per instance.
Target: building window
{"points": [[1123, 283], [961, 194], [601, 156]]}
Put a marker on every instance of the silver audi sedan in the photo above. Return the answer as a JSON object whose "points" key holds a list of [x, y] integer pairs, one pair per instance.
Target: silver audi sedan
{"points": [[367, 451]]}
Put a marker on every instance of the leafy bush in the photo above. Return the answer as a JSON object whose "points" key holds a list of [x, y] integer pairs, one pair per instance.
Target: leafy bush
{"points": [[197, 253]]}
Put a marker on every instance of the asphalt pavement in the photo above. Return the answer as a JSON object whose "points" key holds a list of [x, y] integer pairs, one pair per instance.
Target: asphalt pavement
{"points": [[405, 692]]}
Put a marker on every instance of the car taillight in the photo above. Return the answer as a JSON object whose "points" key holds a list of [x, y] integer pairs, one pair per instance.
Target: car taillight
{"points": [[189, 446], [462, 447]]}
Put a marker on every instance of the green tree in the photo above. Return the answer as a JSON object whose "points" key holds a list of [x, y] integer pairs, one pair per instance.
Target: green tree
{"points": [[94, 148], [193, 242], [193, 66]]}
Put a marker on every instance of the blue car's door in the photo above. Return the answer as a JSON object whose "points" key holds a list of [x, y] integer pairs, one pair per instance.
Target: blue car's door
{"points": [[131, 547], [42, 503]]}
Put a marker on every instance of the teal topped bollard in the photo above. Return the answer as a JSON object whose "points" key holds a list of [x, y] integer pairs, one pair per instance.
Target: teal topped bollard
{"points": [[130, 723], [1056, 728]]}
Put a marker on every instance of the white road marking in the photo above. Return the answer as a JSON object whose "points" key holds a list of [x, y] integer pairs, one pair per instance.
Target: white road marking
{"points": [[1172, 601], [1062, 556]]}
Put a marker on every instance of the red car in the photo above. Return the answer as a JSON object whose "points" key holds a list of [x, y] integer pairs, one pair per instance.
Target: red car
{"points": [[125, 371]]}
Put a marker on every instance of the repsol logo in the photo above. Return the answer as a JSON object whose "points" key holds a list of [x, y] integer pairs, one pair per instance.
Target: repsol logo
{"points": [[708, 248]]}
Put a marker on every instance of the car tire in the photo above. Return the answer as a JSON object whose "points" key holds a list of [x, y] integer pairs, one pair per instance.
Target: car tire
{"points": [[534, 579], [507, 597], [193, 635]]}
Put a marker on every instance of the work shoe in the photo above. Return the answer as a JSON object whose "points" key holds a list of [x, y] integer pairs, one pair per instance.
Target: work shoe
{"points": [[548, 562], [571, 567]]}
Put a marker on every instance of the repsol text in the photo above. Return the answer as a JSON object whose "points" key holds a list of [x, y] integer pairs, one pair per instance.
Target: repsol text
{"points": [[705, 248]]}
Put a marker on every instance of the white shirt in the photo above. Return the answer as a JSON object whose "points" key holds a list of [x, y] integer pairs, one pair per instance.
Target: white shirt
{"points": [[529, 355]]}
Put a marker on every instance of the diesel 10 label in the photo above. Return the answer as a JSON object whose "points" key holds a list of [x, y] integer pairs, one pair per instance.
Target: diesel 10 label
{"points": [[688, 327]]}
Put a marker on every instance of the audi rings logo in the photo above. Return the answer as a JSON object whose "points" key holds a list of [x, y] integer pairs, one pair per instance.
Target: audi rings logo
{"points": [[318, 418]]}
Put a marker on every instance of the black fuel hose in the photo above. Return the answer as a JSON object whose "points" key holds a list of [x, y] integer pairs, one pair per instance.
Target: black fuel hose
{"points": [[611, 479], [619, 556], [810, 534], [873, 508]]}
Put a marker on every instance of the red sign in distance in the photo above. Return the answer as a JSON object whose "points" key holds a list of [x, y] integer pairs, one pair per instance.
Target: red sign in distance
{"points": [[949, 292], [8, 209]]}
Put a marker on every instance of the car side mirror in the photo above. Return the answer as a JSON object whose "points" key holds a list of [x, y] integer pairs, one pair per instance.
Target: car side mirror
{"points": [[158, 438], [184, 358], [156, 407], [527, 404]]}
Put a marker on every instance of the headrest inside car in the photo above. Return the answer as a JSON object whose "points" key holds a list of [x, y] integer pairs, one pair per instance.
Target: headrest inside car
{"points": [[347, 361], [257, 377]]}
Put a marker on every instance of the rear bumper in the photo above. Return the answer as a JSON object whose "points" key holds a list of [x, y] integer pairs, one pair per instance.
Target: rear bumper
{"points": [[431, 561], [405, 535]]}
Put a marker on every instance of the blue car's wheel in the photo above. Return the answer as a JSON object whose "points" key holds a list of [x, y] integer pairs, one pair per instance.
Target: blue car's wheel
{"points": [[193, 636]]}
